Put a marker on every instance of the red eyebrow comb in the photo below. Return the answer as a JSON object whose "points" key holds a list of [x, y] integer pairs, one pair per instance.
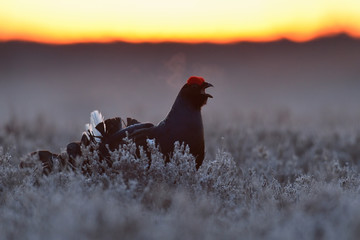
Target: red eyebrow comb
{"points": [[195, 80]]}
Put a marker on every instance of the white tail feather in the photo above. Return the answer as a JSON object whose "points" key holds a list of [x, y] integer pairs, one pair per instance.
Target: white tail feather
{"points": [[95, 118]]}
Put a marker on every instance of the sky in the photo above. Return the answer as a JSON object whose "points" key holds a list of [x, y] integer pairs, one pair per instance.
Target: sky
{"points": [[191, 21]]}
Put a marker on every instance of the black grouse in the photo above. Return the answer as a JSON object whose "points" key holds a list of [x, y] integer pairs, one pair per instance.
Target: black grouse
{"points": [[183, 124]]}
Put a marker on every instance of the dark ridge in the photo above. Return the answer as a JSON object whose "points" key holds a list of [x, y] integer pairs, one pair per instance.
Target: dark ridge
{"points": [[338, 37]]}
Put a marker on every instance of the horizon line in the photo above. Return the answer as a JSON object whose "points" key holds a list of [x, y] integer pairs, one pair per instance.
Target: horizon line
{"points": [[185, 42]]}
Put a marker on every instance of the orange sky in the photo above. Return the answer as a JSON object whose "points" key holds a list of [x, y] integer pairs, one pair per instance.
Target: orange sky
{"points": [[223, 21]]}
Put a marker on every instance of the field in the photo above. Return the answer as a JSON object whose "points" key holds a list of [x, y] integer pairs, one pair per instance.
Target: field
{"points": [[258, 181], [282, 159]]}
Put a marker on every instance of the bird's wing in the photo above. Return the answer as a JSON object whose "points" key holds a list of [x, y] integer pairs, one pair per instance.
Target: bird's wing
{"points": [[131, 132], [140, 136]]}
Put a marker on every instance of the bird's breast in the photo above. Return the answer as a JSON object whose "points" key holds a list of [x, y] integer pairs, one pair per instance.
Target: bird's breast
{"points": [[187, 129]]}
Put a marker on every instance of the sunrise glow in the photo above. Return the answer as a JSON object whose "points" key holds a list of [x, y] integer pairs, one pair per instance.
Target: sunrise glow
{"points": [[69, 21]]}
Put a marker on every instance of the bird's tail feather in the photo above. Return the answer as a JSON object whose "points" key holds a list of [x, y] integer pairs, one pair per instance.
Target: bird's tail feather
{"points": [[95, 118]]}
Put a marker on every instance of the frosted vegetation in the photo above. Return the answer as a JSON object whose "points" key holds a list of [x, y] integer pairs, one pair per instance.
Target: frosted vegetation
{"points": [[274, 180]]}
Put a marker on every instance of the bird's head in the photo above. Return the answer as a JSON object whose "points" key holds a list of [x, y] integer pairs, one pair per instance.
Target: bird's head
{"points": [[194, 91]]}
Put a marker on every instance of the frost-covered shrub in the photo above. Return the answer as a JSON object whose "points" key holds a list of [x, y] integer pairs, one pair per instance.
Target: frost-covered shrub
{"points": [[257, 181], [221, 177]]}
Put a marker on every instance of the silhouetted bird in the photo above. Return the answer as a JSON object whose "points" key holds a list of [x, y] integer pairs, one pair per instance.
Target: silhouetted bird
{"points": [[183, 123]]}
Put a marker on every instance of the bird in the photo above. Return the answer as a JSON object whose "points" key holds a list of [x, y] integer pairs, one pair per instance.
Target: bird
{"points": [[182, 124]]}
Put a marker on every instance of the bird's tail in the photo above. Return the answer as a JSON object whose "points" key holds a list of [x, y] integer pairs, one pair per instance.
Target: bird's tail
{"points": [[95, 118], [100, 130]]}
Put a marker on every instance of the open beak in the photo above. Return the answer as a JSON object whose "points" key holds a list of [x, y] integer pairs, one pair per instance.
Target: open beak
{"points": [[204, 86]]}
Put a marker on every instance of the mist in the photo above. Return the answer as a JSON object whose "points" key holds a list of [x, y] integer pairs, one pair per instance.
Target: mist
{"points": [[66, 82]]}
